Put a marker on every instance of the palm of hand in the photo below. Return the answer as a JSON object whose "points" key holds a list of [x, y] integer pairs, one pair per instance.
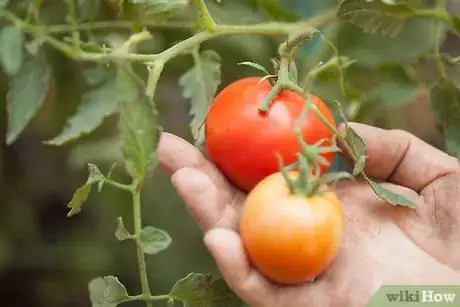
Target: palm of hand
{"points": [[382, 244]]}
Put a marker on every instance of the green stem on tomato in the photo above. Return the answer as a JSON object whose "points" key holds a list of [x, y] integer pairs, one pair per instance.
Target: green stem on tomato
{"points": [[137, 215]]}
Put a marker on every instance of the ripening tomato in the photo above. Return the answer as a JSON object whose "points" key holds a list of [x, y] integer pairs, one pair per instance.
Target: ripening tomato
{"points": [[242, 141], [291, 238]]}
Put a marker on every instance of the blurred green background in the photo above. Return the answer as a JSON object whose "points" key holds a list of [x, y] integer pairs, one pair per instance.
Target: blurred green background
{"points": [[47, 259]]}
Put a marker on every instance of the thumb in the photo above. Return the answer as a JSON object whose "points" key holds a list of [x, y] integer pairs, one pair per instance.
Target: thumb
{"points": [[401, 158]]}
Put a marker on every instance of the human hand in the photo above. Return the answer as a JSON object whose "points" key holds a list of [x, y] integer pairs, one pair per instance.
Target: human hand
{"points": [[382, 244]]}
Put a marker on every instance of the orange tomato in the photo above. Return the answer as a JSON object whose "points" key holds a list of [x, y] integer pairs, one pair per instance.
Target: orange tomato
{"points": [[291, 238]]}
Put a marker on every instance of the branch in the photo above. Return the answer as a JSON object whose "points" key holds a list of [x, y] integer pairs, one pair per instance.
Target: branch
{"points": [[269, 28]]}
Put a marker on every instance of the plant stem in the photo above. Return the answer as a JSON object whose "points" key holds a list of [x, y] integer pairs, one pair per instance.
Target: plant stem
{"points": [[118, 185], [149, 297], [271, 28], [72, 20], [136, 195], [204, 17]]}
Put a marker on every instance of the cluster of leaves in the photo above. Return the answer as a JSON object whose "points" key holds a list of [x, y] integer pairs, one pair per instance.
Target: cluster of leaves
{"points": [[115, 88], [391, 20]]}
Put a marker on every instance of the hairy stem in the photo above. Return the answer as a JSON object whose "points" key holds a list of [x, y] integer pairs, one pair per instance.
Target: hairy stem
{"points": [[118, 185], [72, 20], [136, 195], [271, 28], [204, 17]]}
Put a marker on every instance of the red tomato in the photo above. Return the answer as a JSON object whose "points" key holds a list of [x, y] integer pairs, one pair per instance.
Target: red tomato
{"points": [[290, 238], [243, 142]]}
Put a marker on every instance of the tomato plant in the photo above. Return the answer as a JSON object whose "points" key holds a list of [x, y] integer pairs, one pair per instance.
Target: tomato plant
{"points": [[362, 59], [291, 238], [244, 142]]}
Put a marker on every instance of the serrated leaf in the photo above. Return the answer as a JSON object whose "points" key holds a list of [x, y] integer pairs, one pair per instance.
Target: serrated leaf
{"points": [[201, 290], [11, 52], [154, 240], [96, 105], [392, 198], [28, 91], [445, 103], [375, 16], [138, 125], [417, 37], [106, 292], [122, 233], [199, 85], [82, 193]]}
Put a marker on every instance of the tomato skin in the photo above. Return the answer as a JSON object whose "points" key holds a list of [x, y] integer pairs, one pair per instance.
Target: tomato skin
{"points": [[242, 141], [289, 238]]}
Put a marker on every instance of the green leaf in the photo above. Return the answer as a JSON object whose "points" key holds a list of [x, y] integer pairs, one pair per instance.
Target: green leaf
{"points": [[375, 90], [96, 105], [358, 150], [200, 290], [106, 292], [154, 240], [199, 85], [445, 103], [122, 233], [373, 50], [11, 52], [28, 91], [375, 15], [81, 195], [358, 153], [138, 126], [392, 198]]}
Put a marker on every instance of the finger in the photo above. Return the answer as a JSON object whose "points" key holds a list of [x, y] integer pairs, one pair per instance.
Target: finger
{"points": [[401, 158], [228, 251], [176, 153], [203, 199]]}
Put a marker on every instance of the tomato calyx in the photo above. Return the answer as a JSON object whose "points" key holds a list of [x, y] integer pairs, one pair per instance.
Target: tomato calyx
{"points": [[309, 182]]}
